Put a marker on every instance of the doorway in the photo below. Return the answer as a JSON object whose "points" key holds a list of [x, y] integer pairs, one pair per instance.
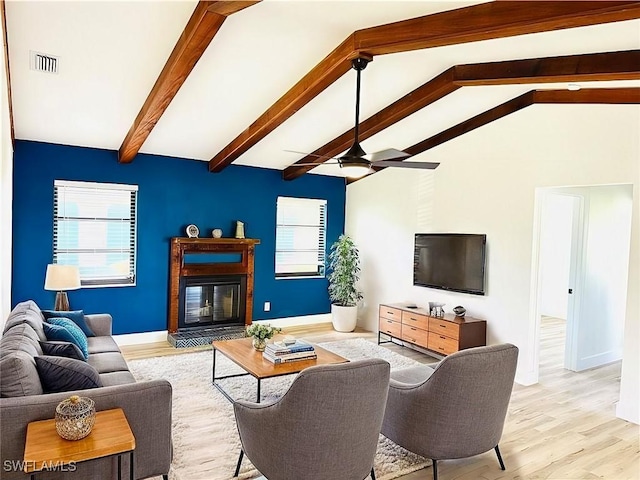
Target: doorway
{"points": [[581, 245]]}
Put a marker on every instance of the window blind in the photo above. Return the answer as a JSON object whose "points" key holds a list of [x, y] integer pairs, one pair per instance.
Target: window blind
{"points": [[94, 227], [300, 237]]}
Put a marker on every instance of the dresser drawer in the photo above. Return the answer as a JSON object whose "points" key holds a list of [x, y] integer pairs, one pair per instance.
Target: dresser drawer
{"points": [[415, 320], [390, 327], [390, 313], [442, 344], [442, 327], [415, 335]]}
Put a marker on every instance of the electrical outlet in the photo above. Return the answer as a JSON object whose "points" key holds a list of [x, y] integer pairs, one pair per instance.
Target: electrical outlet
{"points": [[267, 306]]}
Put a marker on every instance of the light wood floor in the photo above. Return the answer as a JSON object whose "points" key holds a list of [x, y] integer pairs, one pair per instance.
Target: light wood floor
{"points": [[562, 428]]}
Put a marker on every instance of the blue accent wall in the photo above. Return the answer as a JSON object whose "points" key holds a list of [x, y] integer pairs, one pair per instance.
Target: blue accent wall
{"points": [[172, 193]]}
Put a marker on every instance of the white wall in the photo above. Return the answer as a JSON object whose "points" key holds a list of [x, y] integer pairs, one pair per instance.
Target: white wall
{"points": [[486, 184], [555, 251], [6, 173]]}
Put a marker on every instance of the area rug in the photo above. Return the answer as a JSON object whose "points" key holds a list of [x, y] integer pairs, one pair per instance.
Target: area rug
{"points": [[205, 438]]}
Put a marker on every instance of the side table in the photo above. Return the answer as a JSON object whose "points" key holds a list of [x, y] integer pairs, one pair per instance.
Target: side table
{"points": [[111, 435]]}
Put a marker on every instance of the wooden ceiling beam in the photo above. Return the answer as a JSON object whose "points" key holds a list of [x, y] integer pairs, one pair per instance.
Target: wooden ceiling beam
{"points": [[478, 22], [609, 96], [330, 69], [204, 24], [3, 13], [623, 65], [488, 21]]}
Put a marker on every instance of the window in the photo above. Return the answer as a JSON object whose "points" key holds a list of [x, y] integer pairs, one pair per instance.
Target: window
{"points": [[300, 237], [94, 227]]}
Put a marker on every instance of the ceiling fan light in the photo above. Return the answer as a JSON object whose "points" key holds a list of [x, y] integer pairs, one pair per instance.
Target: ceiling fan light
{"points": [[354, 167]]}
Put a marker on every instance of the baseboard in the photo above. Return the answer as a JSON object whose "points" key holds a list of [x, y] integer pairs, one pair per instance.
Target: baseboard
{"points": [[598, 360], [161, 336]]}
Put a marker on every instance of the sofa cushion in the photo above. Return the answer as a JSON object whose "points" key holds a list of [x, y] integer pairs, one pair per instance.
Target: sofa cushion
{"points": [[76, 316], [111, 379], [102, 344], [62, 349], [73, 333], [19, 376], [60, 374], [20, 337], [26, 312], [108, 362]]}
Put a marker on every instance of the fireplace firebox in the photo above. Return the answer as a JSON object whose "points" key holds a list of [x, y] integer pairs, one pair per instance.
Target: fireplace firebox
{"points": [[207, 301]]}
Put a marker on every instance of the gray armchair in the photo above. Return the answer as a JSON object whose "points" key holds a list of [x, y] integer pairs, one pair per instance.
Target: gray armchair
{"points": [[454, 410], [325, 427]]}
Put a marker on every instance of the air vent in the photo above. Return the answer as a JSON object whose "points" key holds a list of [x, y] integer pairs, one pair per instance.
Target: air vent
{"points": [[42, 62]]}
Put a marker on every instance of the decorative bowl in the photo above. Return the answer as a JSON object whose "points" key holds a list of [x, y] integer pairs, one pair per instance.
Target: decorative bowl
{"points": [[459, 311]]}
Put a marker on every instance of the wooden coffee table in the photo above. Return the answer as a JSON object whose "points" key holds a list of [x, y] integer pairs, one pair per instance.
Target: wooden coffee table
{"points": [[242, 353]]}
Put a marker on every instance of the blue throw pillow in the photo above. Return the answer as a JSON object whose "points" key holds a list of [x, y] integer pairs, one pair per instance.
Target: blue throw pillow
{"points": [[77, 316], [73, 333], [62, 349], [59, 374]]}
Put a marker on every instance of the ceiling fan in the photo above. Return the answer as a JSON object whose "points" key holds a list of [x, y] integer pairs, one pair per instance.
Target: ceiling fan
{"points": [[356, 162]]}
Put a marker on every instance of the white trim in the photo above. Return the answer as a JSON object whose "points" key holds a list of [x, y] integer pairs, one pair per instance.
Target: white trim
{"points": [[100, 186], [161, 335], [140, 338], [629, 411]]}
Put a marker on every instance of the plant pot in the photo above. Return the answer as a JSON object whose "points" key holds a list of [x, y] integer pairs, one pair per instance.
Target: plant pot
{"points": [[344, 319]]}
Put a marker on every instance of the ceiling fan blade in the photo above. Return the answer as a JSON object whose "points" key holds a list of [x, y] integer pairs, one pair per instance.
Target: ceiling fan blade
{"points": [[314, 164], [400, 163], [308, 154], [388, 154]]}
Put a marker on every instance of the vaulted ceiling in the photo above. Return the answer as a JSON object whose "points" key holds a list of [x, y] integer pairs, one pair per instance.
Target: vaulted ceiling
{"points": [[242, 82]]}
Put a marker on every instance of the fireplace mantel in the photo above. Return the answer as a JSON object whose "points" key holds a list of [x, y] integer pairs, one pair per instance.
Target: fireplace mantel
{"points": [[181, 246]]}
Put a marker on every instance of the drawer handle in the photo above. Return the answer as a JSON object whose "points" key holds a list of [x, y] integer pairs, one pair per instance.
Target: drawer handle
{"points": [[390, 313], [443, 338], [443, 326], [440, 348], [389, 321], [413, 329]]}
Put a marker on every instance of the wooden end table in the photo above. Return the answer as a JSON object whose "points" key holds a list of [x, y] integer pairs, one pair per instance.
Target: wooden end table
{"points": [[111, 435], [241, 352]]}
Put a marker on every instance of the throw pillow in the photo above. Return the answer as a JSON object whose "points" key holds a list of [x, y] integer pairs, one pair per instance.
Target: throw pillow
{"points": [[62, 349], [71, 333], [60, 374], [77, 316]]}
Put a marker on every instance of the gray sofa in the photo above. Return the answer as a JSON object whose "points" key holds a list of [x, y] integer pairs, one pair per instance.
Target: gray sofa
{"points": [[147, 405]]}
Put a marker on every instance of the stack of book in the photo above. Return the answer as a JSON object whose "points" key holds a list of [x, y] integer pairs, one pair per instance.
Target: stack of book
{"points": [[280, 352]]}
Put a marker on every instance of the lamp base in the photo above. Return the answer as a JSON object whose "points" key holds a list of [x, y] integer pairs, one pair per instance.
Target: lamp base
{"points": [[62, 302]]}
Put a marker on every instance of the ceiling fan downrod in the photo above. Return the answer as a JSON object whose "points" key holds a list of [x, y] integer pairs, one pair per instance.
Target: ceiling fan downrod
{"points": [[356, 151]]}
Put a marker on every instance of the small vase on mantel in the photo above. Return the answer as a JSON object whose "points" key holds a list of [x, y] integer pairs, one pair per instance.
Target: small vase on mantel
{"points": [[259, 343]]}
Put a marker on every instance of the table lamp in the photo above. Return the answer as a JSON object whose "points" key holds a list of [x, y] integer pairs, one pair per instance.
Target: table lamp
{"points": [[61, 278]]}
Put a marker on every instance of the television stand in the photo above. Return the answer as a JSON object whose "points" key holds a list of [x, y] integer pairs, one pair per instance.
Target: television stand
{"points": [[441, 335]]}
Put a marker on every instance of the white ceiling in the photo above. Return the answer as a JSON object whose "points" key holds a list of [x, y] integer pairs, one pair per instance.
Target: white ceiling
{"points": [[112, 52]]}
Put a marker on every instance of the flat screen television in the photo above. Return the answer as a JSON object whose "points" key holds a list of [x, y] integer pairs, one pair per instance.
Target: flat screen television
{"points": [[450, 261]]}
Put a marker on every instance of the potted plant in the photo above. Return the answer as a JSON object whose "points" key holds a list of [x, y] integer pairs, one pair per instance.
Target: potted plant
{"points": [[260, 334], [344, 267]]}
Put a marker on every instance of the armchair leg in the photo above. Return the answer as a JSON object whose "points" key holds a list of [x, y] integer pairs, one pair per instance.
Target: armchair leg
{"points": [[435, 469], [373, 474], [499, 457], [239, 463]]}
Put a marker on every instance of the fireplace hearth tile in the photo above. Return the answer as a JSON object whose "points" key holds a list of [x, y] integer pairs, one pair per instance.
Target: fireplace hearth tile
{"points": [[198, 338]]}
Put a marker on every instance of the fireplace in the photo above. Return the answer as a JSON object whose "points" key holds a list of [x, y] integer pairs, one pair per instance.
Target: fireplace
{"points": [[210, 289], [206, 302]]}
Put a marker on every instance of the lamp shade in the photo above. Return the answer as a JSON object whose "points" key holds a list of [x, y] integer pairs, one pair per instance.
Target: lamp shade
{"points": [[62, 277]]}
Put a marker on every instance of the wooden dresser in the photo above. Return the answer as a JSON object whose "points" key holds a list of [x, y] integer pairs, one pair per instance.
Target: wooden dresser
{"points": [[442, 335]]}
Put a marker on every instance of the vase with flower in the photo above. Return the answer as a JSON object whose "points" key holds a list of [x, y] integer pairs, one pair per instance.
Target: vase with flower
{"points": [[260, 334]]}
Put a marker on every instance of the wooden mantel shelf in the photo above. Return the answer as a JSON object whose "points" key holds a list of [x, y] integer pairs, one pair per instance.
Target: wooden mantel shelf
{"points": [[181, 246]]}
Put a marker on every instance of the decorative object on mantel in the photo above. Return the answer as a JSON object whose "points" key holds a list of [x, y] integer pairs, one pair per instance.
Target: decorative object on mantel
{"points": [[260, 334], [344, 265], [436, 309], [216, 233], [75, 417], [192, 231], [460, 311], [61, 278], [239, 229]]}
